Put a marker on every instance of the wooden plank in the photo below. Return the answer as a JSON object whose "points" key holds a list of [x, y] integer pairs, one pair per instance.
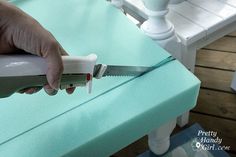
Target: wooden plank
{"points": [[216, 103], [225, 128], [216, 59], [230, 2], [215, 79], [188, 31], [224, 44], [198, 16], [216, 7]]}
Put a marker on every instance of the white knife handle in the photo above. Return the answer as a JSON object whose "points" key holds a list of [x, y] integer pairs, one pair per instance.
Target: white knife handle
{"points": [[22, 71]]}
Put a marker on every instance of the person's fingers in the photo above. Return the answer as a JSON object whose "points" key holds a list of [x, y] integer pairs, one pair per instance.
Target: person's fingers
{"points": [[70, 90], [49, 90], [30, 90], [33, 90], [55, 66], [21, 91]]}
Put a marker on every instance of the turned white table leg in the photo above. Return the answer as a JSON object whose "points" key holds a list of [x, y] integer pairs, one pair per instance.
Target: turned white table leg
{"points": [[159, 139], [189, 56], [233, 84], [189, 60], [183, 119]]}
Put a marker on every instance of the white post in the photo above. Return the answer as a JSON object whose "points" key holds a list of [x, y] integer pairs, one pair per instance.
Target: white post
{"points": [[189, 56], [233, 84], [183, 119], [117, 3], [159, 139], [159, 28]]}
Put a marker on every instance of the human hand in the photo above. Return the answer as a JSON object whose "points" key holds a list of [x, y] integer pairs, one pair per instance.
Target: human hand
{"points": [[19, 31]]}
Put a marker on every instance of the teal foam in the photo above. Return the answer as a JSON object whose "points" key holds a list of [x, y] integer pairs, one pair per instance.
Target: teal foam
{"points": [[102, 122]]}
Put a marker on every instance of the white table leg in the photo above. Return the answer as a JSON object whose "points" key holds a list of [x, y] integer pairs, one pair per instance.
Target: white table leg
{"points": [[189, 57], [233, 84], [183, 119], [159, 139], [189, 60]]}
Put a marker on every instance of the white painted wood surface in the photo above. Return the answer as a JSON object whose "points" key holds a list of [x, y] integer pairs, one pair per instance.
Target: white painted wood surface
{"points": [[230, 2], [198, 16], [216, 7], [181, 27], [195, 19]]}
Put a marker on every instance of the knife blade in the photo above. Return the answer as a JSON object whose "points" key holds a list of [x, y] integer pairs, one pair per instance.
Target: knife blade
{"points": [[120, 70]]}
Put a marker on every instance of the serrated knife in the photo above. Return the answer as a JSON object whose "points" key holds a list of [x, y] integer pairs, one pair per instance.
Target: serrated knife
{"points": [[18, 72]]}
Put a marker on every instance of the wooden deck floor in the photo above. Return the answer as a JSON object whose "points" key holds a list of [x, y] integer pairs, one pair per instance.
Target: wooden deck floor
{"points": [[216, 106]]}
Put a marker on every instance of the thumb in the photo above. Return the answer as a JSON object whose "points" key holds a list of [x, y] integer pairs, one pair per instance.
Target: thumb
{"points": [[55, 65]]}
